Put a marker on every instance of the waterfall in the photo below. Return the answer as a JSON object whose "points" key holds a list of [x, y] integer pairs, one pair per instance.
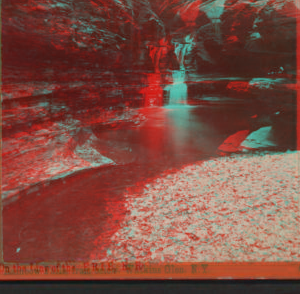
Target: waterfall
{"points": [[177, 90], [214, 10], [217, 27], [181, 50]]}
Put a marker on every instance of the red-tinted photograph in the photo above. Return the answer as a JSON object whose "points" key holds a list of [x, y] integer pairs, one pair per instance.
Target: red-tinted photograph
{"points": [[142, 135]]}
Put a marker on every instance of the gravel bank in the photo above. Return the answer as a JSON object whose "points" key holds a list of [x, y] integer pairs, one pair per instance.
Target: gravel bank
{"points": [[237, 208]]}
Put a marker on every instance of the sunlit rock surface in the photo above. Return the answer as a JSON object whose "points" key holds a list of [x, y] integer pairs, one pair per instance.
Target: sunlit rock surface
{"points": [[47, 153], [259, 138], [55, 149]]}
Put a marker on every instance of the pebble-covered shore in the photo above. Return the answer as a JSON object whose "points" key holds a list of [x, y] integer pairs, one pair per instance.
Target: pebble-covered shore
{"points": [[236, 208]]}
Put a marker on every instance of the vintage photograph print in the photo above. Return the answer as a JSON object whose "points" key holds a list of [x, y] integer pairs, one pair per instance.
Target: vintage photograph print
{"points": [[149, 139]]}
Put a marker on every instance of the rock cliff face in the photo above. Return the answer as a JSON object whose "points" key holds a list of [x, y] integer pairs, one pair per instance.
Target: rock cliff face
{"points": [[117, 33]]}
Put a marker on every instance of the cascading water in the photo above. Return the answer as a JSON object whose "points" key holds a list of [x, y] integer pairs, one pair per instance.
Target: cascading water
{"points": [[214, 10], [181, 50], [178, 90], [217, 23]]}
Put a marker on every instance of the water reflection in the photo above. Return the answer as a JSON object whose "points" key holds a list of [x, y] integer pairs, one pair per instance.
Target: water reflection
{"points": [[157, 52], [153, 93], [178, 90]]}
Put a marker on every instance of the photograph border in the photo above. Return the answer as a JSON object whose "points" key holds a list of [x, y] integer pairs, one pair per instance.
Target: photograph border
{"points": [[151, 271]]}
